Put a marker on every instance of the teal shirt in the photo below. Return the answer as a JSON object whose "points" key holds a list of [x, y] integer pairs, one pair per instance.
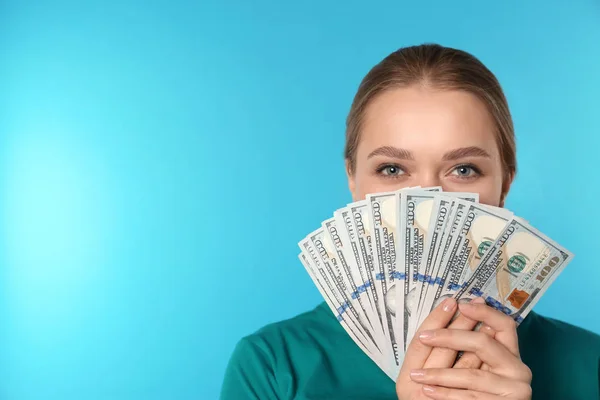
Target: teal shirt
{"points": [[310, 356]]}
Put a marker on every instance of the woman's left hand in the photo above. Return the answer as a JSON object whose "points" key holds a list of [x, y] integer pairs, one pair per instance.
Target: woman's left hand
{"points": [[503, 374]]}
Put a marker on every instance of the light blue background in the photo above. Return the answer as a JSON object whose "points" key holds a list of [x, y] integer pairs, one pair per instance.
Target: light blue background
{"points": [[159, 161]]}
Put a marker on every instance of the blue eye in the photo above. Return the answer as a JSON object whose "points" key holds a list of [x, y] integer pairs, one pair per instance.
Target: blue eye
{"points": [[390, 170], [466, 171]]}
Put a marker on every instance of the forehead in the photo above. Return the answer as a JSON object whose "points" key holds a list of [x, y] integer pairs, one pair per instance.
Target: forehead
{"points": [[421, 119]]}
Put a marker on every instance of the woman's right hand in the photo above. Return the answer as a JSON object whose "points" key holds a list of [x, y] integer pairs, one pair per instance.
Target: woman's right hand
{"points": [[420, 356]]}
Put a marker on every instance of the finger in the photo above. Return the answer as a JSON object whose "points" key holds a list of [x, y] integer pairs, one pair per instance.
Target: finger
{"points": [[489, 350], [437, 392], [504, 325], [418, 352], [470, 360], [468, 379], [441, 357]]}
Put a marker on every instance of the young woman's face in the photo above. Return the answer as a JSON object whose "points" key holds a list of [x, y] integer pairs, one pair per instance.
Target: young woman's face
{"points": [[423, 137]]}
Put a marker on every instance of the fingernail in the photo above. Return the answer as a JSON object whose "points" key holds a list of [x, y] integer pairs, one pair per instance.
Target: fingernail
{"points": [[449, 304], [426, 335], [428, 389], [417, 374], [472, 303]]}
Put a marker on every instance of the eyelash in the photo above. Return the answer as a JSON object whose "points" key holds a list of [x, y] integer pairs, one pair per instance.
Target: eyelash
{"points": [[476, 170], [383, 167]]}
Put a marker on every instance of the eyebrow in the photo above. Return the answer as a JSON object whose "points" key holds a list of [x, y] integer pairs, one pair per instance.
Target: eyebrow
{"points": [[393, 152], [463, 152], [403, 154]]}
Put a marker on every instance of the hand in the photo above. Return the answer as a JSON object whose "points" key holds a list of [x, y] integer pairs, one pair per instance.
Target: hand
{"points": [[502, 375], [446, 358], [420, 355]]}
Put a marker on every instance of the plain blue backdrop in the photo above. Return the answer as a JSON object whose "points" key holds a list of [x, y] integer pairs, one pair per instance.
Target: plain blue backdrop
{"points": [[159, 161]]}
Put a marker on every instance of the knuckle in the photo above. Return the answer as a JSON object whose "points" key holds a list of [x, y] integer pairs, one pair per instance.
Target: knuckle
{"points": [[475, 374], [468, 360], [443, 351], [472, 395], [484, 341], [464, 322], [508, 323], [488, 330], [511, 323], [527, 374], [525, 391], [448, 333], [415, 347]]}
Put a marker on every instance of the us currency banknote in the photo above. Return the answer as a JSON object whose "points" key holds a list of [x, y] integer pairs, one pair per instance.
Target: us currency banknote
{"points": [[333, 253], [383, 217], [356, 250], [440, 213], [401, 271], [450, 242], [415, 209], [326, 252], [478, 234], [364, 230], [325, 273], [425, 245], [481, 227], [518, 268], [324, 289]]}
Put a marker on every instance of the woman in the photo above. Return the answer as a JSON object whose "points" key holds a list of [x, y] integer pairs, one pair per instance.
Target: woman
{"points": [[425, 116]]}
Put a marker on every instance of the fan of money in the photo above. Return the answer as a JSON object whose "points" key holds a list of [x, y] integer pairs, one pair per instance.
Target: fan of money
{"points": [[383, 263]]}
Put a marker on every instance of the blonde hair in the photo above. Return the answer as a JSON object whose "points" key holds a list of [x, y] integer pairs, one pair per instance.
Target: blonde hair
{"points": [[438, 67]]}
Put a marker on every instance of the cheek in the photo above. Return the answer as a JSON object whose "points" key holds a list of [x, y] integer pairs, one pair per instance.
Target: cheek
{"points": [[489, 199], [368, 187], [489, 189], [366, 183]]}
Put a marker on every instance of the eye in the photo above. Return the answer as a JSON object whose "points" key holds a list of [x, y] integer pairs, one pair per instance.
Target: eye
{"points": [[390, 170], [466, 171]]}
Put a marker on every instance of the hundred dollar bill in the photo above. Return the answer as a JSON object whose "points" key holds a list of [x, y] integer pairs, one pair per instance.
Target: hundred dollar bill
{"points": [[327, 276], [333, 252], [414, 215], [394, 271], [324, 289], [480, 230], [401, 274], [441, 211], [355, 251], [326, 251], [450, 240], [383, 219], [518, 268], [360, 216]]}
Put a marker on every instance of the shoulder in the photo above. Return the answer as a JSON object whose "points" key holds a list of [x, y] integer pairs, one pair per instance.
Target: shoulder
{"points": [[268, 361], [564, 359], [305, 328], [549, 330], [297, 342], [273, 337]]}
